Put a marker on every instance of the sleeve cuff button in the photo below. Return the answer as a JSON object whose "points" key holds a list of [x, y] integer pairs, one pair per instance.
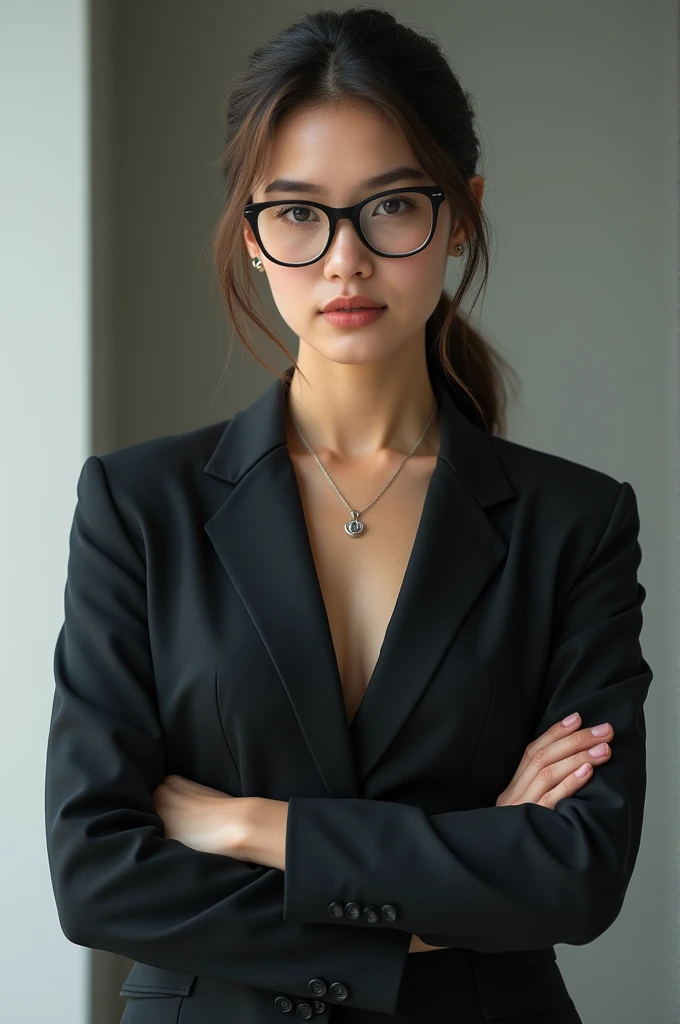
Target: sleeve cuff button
{"points": [[389, 912]]}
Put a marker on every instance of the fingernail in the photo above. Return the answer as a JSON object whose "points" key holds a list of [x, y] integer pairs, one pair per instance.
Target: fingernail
{"points": [[583, 770], [570, 719], [599, 750], [600, 730]]}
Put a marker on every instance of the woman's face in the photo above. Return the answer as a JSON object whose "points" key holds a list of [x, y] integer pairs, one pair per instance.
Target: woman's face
{"points": [[337, 148]]}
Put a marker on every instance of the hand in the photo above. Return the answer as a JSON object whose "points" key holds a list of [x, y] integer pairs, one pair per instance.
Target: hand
{"points": [[546, 772], [200, 817], [417, 945]]}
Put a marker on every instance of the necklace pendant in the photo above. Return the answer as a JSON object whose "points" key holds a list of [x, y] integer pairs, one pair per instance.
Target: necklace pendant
{"points": [[354, 527]]}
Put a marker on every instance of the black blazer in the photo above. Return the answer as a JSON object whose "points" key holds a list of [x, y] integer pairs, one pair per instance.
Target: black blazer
{"points": [[195, 641]]}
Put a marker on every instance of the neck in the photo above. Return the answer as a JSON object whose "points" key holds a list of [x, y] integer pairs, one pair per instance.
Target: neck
{"points": [[358, 410]]}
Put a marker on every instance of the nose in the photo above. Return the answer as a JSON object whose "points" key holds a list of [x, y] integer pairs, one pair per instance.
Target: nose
{"points": [[347, 254]]}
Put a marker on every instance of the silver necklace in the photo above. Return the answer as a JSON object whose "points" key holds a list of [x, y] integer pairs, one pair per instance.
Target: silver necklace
{"points": [[354, 528]]}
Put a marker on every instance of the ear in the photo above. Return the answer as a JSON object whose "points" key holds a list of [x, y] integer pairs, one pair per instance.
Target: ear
{"points": [[251, 241], [462, 228], [458, 235]]}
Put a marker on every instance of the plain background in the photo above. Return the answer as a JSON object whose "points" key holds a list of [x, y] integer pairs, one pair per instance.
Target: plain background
{"points": [[112, 331]]}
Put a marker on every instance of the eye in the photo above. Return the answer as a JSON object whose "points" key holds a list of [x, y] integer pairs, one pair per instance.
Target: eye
{"points": [[296, 210], [391, 202]]}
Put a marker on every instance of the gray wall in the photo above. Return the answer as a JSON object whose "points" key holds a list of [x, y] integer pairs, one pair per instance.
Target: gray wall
{"points": [[578, 106], [45, 437]]}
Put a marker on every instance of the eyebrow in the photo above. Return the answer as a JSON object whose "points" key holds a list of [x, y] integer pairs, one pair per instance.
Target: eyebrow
{"points": [[387, 178]]}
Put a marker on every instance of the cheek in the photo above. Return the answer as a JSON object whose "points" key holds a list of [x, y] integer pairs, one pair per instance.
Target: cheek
{"points": [[292, 290], [417, 281]]}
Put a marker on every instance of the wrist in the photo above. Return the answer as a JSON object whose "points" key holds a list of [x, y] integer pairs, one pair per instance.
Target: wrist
{"points": [[238, 829], [262, 832]]}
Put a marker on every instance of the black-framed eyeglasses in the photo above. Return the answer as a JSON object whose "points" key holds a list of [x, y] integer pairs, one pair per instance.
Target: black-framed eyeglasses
{"points": [[295, 233]]}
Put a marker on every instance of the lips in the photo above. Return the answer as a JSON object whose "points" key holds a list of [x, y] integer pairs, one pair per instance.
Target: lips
{"points": [[350, 304], [351, 318]]}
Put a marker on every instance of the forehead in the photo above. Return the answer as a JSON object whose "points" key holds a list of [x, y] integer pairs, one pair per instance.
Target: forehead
{"points": [[335, 146]]}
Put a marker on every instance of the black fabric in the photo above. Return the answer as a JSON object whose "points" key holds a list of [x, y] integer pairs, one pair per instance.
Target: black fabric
{"points": [[451, 985], [195, 641], [441, 985]]}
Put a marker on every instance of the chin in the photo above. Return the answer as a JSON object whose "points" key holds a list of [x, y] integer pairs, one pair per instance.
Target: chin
{"points": [[353, 351]]}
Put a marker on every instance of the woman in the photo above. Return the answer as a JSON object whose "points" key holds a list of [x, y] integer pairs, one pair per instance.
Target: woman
{"points": [[339, 678]]}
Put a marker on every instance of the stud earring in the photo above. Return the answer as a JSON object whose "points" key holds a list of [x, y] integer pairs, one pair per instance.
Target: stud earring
{"points": [[459, 248], [257, 263]]}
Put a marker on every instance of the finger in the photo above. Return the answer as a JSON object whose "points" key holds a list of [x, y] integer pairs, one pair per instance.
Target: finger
{"points": [[551, 735], [534, 788], [541, 755], [568, 786], [552, 776]]}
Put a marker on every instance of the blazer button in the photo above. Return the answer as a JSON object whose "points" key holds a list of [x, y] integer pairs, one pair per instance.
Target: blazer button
{"points": [[339, 990], [389, 912], [335, 909], [319, 1007], [353, 910], [283, 1004], [318, 987], [303, 1010], [372, 914]]}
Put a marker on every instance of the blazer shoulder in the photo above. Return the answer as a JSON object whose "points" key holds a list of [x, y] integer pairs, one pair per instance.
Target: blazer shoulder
{"points": [[145, 466], [153, 484], [562, 493], [532, 469]]}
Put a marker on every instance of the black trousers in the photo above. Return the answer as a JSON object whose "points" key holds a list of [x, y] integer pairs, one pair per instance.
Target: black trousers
{"points": [[447, 985]]}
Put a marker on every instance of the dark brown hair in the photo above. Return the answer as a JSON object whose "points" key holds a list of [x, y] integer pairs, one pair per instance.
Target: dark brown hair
{"points": [[364, 53]]}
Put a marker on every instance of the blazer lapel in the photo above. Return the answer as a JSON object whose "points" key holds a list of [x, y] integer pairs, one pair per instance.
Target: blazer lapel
{"points": [[260, 535]]}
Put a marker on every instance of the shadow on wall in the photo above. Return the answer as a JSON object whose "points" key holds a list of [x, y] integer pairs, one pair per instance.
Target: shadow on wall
{"points": [[108, 971]]}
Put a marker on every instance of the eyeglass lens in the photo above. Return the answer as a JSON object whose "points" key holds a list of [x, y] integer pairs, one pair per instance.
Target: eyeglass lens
{"points": [[395, 225]]}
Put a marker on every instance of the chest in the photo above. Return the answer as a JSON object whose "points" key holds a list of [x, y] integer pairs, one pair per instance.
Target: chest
{"points": [[360, 577], [290, 657]]}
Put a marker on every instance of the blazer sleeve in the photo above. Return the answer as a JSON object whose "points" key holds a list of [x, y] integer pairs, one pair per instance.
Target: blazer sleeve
{"points": [[119, 884], [512, 877]]}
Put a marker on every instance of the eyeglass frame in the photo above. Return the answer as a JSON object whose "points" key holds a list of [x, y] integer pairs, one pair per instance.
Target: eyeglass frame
{"points": [[352, 213]]}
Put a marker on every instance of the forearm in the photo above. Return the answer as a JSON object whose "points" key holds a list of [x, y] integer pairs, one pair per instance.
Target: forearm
{"points": [[490, 878]]}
